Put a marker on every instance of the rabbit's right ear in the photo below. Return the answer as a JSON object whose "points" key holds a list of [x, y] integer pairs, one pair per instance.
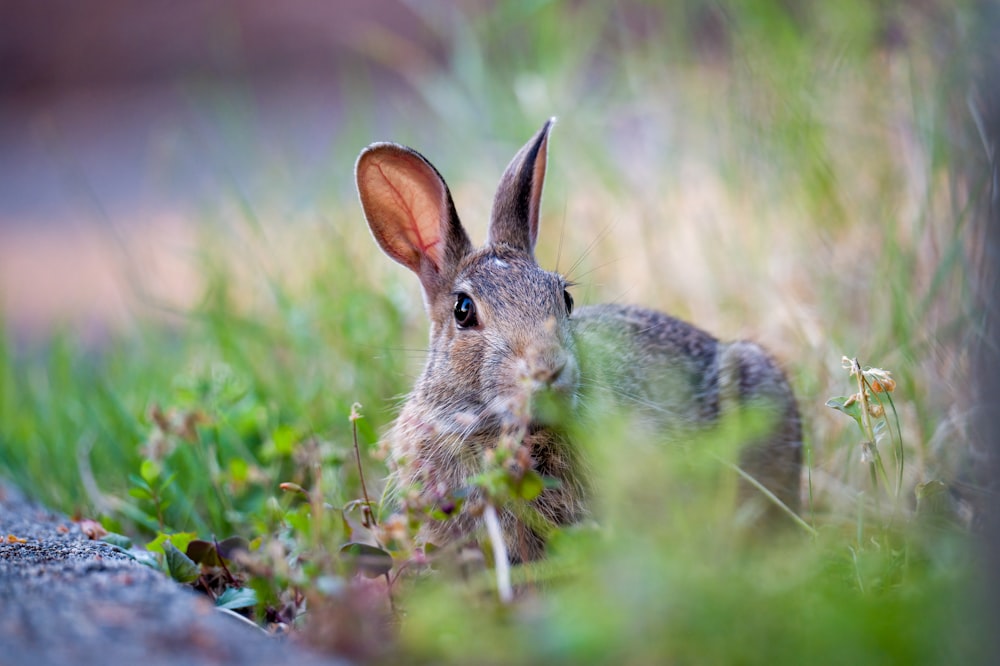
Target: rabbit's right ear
{"points": [[516, 206], [410, 213]]}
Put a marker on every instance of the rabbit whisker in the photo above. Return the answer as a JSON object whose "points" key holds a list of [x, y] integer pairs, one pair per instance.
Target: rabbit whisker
{"points": [[604, 233]]}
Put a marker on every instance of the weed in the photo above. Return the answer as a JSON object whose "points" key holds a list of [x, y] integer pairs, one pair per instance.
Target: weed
{"points": [[868, 409]]}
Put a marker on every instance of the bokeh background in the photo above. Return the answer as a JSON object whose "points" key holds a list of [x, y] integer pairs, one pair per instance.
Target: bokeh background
{"points": [[179, 228], [122, 124], [774, 171]]}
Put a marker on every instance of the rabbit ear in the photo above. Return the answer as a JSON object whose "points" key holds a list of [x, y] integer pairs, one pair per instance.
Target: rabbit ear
{"points": [[514, 219], [410, 212]]}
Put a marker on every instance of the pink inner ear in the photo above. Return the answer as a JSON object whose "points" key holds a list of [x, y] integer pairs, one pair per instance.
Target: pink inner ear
{"points": [[411, 203], [537, 180]]}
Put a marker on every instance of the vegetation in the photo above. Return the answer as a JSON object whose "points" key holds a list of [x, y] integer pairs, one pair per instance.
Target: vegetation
{"points": [[786, 175]]}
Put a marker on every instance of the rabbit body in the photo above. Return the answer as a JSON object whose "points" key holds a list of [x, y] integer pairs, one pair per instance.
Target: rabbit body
{"points": [[505, 342]]}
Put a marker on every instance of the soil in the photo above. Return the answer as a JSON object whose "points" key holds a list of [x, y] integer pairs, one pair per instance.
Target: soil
{"points": [[67, 600]]}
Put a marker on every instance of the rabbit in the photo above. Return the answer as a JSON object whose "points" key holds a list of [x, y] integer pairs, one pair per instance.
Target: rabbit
{"points": [[503, 329]]}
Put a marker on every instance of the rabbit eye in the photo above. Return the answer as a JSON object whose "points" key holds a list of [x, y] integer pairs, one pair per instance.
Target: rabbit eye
{"points": [[568, 298], [465, 312]]}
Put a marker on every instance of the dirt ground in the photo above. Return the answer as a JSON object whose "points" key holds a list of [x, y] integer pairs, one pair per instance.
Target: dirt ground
{"points": [[68, 600]]}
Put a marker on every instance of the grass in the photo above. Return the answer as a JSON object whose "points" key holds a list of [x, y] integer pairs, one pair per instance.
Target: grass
{"points": [[788, 176]]}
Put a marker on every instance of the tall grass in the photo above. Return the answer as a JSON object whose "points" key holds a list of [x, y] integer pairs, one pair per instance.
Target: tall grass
{"points": [[764, 172]]}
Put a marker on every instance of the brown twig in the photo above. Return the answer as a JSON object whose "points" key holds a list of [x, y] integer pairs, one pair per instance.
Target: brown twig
{"points": [[222, 561]]}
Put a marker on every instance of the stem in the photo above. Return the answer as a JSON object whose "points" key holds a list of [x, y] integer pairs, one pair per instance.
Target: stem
{"points": [[316, 505], [857, 569], [860, 522], [809, 481], [898, 440], [222, 562], [872, 470], [501, 564], [388, 592], [771, 496], [866, 420], [355, 415], [155, 492]]}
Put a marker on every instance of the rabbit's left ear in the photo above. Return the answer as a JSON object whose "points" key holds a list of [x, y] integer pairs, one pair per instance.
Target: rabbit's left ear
{"points": [[514, 219]]}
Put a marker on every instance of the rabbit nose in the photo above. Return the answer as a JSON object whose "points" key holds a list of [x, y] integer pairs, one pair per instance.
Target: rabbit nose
{"points": [[550, 372], [560, 374]]}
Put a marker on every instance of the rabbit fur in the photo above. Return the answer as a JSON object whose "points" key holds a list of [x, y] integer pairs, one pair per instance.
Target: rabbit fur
{"points": [[504, 340]]}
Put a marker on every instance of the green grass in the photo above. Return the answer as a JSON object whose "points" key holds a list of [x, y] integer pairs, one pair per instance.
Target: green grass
{"points": [[793, 180]]}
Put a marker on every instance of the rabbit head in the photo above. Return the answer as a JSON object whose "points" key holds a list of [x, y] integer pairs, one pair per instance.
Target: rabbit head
{"points": [[499, 323]]}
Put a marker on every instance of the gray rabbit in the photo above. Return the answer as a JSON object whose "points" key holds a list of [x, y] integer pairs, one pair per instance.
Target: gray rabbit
{"points": [[505, 342]]}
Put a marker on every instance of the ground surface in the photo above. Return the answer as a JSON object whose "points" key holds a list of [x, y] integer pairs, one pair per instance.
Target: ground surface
{"points": [[67, 600]]}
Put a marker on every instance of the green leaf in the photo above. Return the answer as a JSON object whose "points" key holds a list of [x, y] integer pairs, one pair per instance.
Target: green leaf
{"points": [[181, 567], [531, 485], [150, 559], [371, 561], [551, 482], [149, 471], [139, 483], [156, 545], [284, 438], [299, 519], [853, 409], [180, 540], [119, 540], [449, 506], [496, 482], [140, 493], [239, 470], [234, 598]]}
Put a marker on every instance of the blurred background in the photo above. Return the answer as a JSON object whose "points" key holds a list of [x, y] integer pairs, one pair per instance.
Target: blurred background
{"points": [[179, 226], [121, 122], [778, 171], [125, 126]]}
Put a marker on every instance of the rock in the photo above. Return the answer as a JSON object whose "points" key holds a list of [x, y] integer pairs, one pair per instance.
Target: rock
{"points": [[67, 600]]}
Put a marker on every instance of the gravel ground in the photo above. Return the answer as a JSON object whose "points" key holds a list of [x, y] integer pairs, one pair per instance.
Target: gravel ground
{"points": [[67, 600]]}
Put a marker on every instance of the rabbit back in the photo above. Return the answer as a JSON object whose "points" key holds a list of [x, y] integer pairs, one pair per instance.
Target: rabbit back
{"points": [[683, 381]]}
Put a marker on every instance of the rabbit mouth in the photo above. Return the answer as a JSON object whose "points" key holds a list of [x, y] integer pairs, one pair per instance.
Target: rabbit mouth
{"points": [[545, 407], [551, 406]]}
